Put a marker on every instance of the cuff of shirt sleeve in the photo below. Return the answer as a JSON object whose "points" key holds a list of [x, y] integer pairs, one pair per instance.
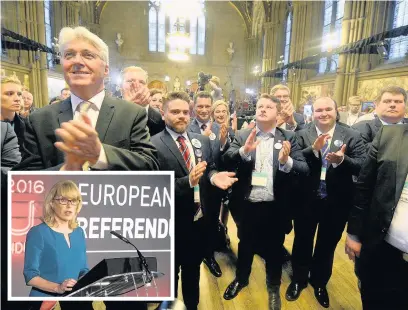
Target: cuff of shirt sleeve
{"points": [[336, 165], [243, 155], [316, 153], [102, 163], [287, 167]]}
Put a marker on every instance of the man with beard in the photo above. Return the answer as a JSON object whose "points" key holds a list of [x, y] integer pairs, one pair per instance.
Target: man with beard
{"points": [[189, 155]]}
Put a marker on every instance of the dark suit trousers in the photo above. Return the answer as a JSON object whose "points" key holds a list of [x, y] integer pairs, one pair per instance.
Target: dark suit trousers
{"points": [[188, 257], [261, 232], [331, 221], [384, 278], [212, 216]]}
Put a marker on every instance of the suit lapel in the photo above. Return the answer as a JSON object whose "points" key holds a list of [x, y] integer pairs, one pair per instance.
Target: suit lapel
{"points": [[194, 127], [312, 134], [65, 114], [172, 146], [279, 138], [104, 118], [402, 165], [377, 125], [338, 135]]}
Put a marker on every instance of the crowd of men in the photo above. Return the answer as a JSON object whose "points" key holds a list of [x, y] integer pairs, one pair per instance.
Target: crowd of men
{"points": [[339, 173]]}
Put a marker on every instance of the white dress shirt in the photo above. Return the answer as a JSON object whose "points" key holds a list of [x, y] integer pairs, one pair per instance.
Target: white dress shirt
{"points": [[93, 113], [397, 234], [264, 164]]}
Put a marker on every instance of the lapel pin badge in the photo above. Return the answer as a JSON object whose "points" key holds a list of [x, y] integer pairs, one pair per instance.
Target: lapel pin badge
{"points": [[278, 145], [196, 143], [338, 143], [212, 136]]}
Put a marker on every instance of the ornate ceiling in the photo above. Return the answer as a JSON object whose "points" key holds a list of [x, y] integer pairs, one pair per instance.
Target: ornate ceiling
{"points": [[244, 8]]}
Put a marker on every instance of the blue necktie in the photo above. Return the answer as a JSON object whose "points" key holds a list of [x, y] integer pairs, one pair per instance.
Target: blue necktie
{"points": [[322, 192]]}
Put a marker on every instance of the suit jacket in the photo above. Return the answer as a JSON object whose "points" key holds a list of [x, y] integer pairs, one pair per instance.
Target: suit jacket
{"points": [[10, 154], [300, 120], [281, 180], [121, 127], [339, 182], [170, 158], [368, 129], [380, 185], [155, 122]]}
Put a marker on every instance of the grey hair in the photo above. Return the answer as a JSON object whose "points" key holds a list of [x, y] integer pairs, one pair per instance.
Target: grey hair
{"points": [[68, 34]]}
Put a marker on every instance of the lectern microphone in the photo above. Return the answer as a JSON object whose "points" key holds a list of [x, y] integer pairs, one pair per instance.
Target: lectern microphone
{"points": [[143, 263]]}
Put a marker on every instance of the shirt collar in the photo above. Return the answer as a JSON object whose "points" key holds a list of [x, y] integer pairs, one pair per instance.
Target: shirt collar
{"points": [[330, 132], [385, 123], [272, 131], [175, 135], [201, 124], [147, 108], [96, 100]]}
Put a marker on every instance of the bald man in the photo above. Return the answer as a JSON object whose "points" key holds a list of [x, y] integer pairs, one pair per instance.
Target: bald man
{"points": [[334, 154]]}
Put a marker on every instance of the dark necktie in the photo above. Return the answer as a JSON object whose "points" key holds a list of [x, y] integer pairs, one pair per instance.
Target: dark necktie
{"points": [[322, 192], [203, 127]]}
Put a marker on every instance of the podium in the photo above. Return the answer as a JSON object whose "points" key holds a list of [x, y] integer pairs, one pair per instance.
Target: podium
{"points": [[117, 276]]}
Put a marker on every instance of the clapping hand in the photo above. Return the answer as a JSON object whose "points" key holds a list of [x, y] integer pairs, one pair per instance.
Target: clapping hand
{"points": [[224, 180], [139, 95], [320, 142], [223, 134], [80, 142], [337, 157], [197, 172], [284, 152], [208, 131], [250, 143]]}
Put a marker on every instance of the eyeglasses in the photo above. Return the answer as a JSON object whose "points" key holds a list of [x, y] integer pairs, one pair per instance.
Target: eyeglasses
{"points": [[85, 55], [64, 201]]}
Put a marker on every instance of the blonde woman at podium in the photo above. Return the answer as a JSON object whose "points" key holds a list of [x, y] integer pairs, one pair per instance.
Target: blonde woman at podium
{"points": [[55, 252]]}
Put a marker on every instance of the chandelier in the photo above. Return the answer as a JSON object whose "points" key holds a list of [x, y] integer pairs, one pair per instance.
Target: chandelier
{"points": [[179, 40]]}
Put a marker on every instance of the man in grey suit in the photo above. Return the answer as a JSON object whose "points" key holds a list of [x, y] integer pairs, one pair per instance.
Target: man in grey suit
{"points": [[88, 129], [377, 228], [203, 124]]}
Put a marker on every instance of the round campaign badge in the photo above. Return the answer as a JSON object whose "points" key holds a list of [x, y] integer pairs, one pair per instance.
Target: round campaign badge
{"points": [[196, 143], [278, 145], [212, 136], [198, 153], [338, 143]]}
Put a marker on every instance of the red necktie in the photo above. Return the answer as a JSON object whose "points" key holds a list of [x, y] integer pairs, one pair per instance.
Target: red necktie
{"points": [[187, 159], [185, 152]]}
